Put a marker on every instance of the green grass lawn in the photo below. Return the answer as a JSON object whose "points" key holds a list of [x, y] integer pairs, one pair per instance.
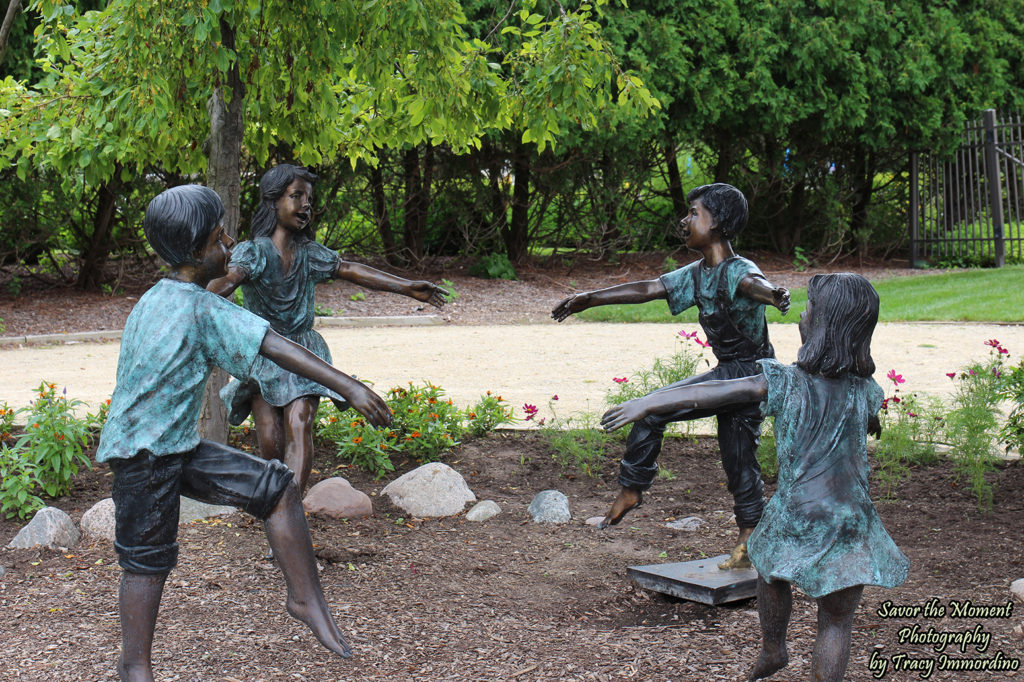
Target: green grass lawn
{"points": [[980, 295]]}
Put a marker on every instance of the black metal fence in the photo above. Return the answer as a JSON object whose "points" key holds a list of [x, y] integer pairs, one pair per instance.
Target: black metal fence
{"points": [[967, 209]]}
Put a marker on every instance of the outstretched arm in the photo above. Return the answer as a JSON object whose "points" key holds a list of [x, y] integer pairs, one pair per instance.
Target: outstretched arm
{"points": [[762, 291], [226, 285], [633, 292], [371, 278], [707, 395], [294, 358]]}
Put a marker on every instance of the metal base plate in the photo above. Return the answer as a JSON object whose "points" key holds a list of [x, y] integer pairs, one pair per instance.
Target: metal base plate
{"points": [[701, 581]]}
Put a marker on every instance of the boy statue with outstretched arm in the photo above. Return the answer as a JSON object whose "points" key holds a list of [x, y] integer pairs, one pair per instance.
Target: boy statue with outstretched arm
{"points": [[175, 334], [730, 293]]}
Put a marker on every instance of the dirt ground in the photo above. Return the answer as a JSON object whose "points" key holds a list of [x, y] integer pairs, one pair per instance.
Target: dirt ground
{"points": [[506, 599]]}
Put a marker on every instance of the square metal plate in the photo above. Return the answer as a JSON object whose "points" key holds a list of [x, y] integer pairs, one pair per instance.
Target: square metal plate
{"points": [[701, 580]]}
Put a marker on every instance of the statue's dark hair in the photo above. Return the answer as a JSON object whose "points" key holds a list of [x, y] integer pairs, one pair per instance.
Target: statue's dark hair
{"points": [[844, 311], [272, 185], [179, 221], [727, 206]]}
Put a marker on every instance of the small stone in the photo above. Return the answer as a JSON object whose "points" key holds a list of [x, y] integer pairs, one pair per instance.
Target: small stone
{"points": [[688, 524], [99, 521], [50, 527], [550, 506], [193, 510], [482, 511], [336, 498], [1017, 588], [595, 520], [430, 491]]}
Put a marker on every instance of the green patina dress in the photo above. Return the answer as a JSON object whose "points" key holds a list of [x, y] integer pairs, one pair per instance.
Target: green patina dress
{"points": [[820, 530], [285, 299]]}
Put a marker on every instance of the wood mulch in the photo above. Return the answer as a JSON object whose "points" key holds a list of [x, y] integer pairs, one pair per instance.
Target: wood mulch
{"points": [[508, 599], [37, 306]]}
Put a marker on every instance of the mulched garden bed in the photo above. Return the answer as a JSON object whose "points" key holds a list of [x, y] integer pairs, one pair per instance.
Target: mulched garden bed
{"points": [[449, 599]]}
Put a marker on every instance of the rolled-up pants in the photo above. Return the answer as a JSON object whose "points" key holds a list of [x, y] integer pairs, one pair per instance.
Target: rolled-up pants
{"points": [[739, 433]]}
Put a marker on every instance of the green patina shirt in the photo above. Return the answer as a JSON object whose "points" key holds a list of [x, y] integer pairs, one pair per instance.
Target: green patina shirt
{"points": [[746, 313], [174, 336]]}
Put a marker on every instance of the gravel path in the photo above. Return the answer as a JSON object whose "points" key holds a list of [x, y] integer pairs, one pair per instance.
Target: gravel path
{"points": [[525, 363]]}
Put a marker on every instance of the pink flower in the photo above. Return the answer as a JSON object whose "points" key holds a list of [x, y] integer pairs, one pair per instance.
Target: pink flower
{"points": [[896, 399], [702, 344], [530, 410], [691, 335], [542, 420], [894, 377], [993, 343], [951, 375], [911, 414], [1003, 351], [554, 397], [620, 380]]}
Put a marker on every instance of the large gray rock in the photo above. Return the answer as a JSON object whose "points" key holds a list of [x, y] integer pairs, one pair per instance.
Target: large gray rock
{"points": [[193, 510], [431, 490], [482, 511], [1017, 588], [336, 498], [98, 522], [550, 506], [50, 527]]}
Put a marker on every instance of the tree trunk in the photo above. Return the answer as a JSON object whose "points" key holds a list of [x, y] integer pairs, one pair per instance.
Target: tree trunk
{"points": [[675, 180], [223, 175], [91, 272], [499, 200], [516, 236], [380, 211], [865, 183], [5, 29], [412, 235]]}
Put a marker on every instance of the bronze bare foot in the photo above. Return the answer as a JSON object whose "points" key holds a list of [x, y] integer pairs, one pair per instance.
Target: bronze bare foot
{"points": [[738, 558], [769, 663], [627, 500]]}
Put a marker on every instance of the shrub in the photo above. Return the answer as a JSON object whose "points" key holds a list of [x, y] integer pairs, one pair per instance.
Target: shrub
{"points": [[578, 441], [971, 426], [18, 482], [487, 414], [425, 425], [53, 440], [494, 266]]}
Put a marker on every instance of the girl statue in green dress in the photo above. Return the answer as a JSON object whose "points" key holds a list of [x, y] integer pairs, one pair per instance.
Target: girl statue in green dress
{"points": [[820, 530], [278, 270]]}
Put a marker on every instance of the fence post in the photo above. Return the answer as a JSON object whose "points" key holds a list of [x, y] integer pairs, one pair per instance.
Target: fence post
{"points": [[995, 186], [915, 209]]}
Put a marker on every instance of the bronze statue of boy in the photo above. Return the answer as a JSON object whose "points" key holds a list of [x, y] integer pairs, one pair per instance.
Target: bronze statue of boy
{"points": [[177, 331], [730, 292]]}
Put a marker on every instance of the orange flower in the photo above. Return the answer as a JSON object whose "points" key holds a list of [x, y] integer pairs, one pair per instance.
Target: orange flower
{"points": [[107, 402], [435, 416], [52, 386], [60, 436], [472, 415], [331, 420], [450, 401], [383, 446], [357, 440], [415, 434], [488, 392], [36, 425]]}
